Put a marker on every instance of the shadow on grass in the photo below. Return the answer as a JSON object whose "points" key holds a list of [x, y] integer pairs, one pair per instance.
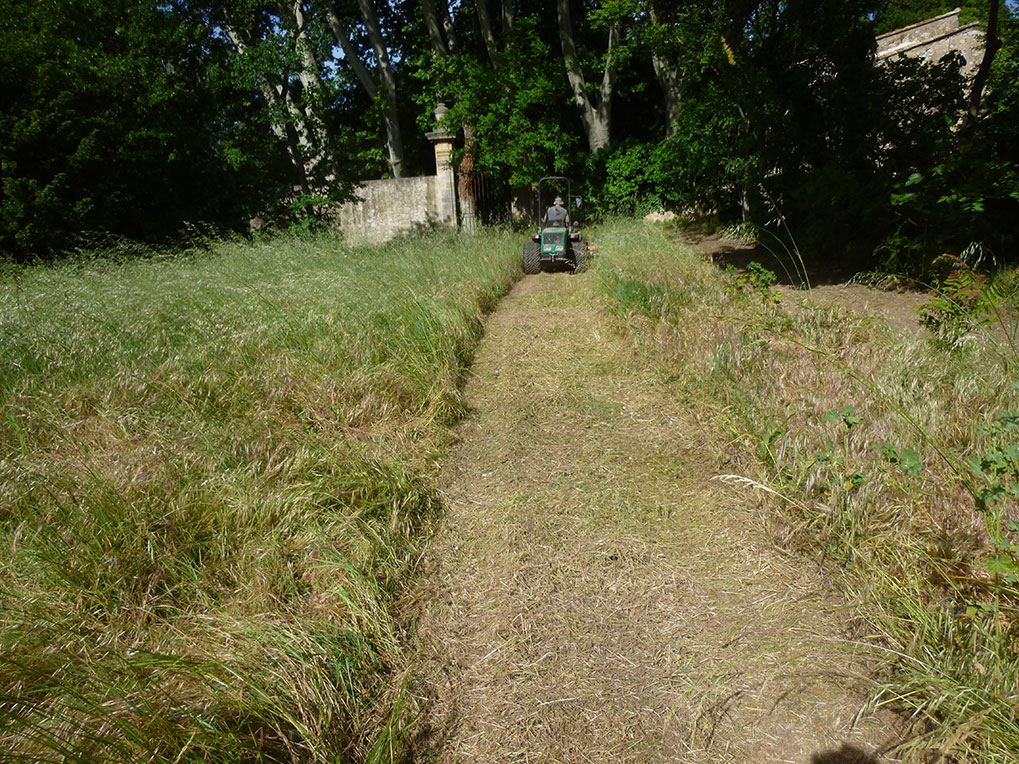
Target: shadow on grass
{"points": [[847, 754]]}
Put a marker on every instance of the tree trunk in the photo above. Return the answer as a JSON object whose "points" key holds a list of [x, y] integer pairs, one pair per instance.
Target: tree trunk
{"points": [[312, 83], [386, 81], [507, 19], [485, 22], [294, 12], [671, 83], [440, 28], [467, 182], [434, 28], [670, 78], [292, 130], [744, 183], [992, 43], [390, 110], [349, 54], [595, 112], [297, 159]]}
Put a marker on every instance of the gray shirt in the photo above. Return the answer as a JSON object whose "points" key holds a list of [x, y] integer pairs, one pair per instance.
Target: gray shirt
{"points": [[556, 214]]}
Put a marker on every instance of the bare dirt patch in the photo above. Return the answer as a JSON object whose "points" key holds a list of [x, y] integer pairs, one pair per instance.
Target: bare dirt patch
{"points": [[595, 593], [829, 286], [899, 309]]}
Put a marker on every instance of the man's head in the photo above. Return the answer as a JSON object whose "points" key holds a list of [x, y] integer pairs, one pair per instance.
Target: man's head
{"points": [[558, 200]]}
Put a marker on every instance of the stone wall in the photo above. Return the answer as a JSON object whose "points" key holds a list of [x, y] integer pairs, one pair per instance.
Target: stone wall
{"points": [[398, 206], [393, 207], [933, 39]]}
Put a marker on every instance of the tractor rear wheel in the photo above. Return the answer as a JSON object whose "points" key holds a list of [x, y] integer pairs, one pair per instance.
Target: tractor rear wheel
{"points": [[579, 256], [532, 257]]}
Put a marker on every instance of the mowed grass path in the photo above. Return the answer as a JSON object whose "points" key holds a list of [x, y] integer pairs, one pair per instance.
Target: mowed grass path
{"points": [[598, 595], [214, 475], [890, 456]]}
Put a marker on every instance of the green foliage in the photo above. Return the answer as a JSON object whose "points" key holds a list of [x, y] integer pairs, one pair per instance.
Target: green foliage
{"points": [[950, 188], [762, 280], [997, 493], [805, 134], [758, 278], [847, 416], [629, 186], [513, 107], [789, 123], [907, 458], [215, 477], [137, 120], [308, 214], [622, 180], [963, 302], [695, 163], [119, 118], [999, 466], [777, 116]]}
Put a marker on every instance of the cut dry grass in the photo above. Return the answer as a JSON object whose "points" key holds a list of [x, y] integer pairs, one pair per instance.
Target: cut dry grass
{"points": [[599, 596], [214, 478], [871, 442]]}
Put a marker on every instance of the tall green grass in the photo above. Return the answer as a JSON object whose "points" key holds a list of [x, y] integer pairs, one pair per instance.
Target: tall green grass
{"points": [[892, 457], [214, 481]]}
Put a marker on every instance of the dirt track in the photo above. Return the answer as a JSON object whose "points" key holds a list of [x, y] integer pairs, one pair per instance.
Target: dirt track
{"points": [[597, 595]]}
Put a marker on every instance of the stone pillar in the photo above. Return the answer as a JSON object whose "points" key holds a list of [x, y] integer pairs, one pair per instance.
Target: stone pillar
{"points": [[445, 182]]}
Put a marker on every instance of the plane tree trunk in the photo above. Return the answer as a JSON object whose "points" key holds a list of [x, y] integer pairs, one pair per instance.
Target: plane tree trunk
{"points": [[440, 27], [670, 76], [992, 43], [319, 146], [595, 108], [385, 84], [288, 120]]}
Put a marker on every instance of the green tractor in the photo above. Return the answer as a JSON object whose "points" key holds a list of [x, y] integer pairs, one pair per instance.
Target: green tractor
{"points": [[558, 241]]}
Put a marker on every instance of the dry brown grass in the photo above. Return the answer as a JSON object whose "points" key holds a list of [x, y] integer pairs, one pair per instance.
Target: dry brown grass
{"points": [[598, 596], [819, 401]]}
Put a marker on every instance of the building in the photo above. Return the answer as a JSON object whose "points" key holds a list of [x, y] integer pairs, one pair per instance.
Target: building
{"points": [[933, 39]]}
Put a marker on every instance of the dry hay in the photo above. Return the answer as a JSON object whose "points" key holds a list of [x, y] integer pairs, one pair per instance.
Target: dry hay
{"points": [[595, 595]]}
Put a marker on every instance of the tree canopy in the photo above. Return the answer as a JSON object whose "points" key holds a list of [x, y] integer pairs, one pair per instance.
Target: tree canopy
{"points": [[143, 117]]}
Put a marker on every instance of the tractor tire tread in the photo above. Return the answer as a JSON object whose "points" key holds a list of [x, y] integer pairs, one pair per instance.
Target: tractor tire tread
{"points": [[532, 258]]}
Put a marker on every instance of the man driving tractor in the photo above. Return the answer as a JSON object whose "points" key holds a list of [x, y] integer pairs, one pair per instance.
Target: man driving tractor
{"points": [[558, 242], [556, 214]]}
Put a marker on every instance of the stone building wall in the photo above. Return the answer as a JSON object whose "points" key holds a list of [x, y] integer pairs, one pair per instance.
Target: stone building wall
{"points": [[393, 207], [397, 206], [933, 39]]}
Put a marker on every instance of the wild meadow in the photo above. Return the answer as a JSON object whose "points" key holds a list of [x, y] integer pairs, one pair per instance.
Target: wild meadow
{"points": [[892, 457], [215, 476]]}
